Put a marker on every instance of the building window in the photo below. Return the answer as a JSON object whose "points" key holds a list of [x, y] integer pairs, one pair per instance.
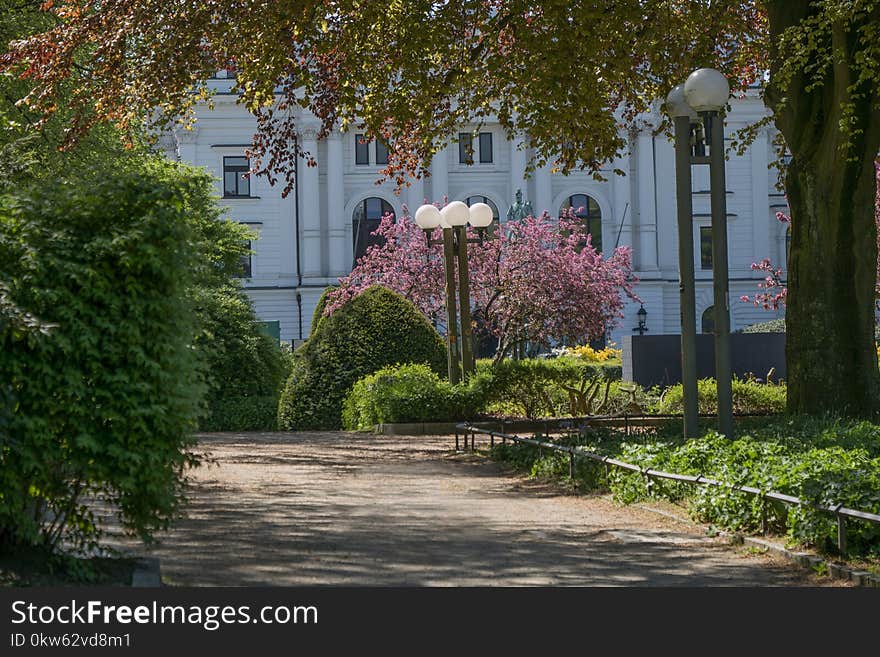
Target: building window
{"points": [[235, 184], [381, 153], [588, 211], [365, 220], [485, 148], [361, 150], [246, 263], [466, 150], [707, 321], [705, 247]]}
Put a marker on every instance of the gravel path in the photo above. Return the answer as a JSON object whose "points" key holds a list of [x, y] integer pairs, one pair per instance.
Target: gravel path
{"points": [[350, 509]]}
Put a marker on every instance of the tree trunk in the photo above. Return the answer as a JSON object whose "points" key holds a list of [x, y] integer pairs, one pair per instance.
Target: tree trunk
{"points": [[830, 352], [830, 182]]}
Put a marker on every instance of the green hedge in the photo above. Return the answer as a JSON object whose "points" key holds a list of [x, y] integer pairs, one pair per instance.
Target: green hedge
{"points": [[246, 368], [318, 313], [375, 329], [105, 399], [748, 397], [253, 413], [538, 387], [410, 393]]}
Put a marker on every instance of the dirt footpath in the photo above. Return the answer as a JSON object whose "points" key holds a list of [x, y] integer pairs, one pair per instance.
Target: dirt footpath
{"points": [[349, 509]]}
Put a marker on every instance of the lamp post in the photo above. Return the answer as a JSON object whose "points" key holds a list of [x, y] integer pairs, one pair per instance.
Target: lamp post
{"points": [[706, 91], [453, 220], [642, 315], [686, 122]]}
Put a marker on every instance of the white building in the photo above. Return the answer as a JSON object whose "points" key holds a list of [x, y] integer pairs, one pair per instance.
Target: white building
{"points": [[310, 239]]}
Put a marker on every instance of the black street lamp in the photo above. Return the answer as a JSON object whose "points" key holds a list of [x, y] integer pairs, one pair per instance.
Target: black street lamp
{"points": [[642, 314], [454, 219], [706, 92]]}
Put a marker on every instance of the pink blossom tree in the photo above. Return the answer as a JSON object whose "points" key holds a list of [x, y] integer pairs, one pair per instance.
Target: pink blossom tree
{"points": [[538, 280], [773, 290]]}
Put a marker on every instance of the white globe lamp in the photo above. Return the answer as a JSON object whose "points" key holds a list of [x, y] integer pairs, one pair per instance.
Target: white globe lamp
{"points": [[428, 217], [706, 90]]}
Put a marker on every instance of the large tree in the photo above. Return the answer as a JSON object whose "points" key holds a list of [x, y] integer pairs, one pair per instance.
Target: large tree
{"points": [[412, 72]]}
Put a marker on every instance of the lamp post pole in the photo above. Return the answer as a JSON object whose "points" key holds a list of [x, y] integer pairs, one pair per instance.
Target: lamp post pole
{"points": [[452, 357], [685, 118], [453, 220], [706, 91], [467, 352], [723, 368]]}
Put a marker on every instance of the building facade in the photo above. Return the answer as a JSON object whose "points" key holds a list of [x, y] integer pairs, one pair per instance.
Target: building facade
{"points": [[309, 239]]}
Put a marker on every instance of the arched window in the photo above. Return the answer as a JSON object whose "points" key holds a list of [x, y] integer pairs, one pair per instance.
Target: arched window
{"points": [[587, 210], [707, 322], [365, 219]]}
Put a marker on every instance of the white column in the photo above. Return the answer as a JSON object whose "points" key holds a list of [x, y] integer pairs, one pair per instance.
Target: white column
{"points": [[666, 210], [762, 226], [518, 160], [310, 207], [340, 246], [544, 191], [623, 210], [415, 194], [440, 175], [646, 253]]}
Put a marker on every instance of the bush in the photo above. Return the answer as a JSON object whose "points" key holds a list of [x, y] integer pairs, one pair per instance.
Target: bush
{"points": [[375, 329], [410, 393], [539, 387], [773, 326], [749, 396], [104, 400], [318, 315], [246, 368]]}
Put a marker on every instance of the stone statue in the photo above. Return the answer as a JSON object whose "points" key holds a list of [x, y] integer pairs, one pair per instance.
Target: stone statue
{"points": [[519, 210]]}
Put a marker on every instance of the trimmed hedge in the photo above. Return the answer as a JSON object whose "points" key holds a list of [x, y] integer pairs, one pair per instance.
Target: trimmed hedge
{"points": [[246, 368], [375, 329], [748, 397], [318, 314], [539, 387], [410, 393]]}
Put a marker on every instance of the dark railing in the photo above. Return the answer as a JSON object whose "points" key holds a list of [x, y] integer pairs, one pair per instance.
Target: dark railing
{"points": [[841, 512]]}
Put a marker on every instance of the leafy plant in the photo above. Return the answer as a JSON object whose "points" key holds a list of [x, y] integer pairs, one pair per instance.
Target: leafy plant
{"points": [[375, 329], [823, 462], [409, 393], [749, 396], [102, 403]]}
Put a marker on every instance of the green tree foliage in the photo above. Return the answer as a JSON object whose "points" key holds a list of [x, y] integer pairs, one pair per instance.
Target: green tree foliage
{"points": [[102, 406], [376, 329]]}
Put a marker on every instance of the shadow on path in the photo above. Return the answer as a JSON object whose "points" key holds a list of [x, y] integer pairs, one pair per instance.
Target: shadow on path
{"points": [[345, 509]]}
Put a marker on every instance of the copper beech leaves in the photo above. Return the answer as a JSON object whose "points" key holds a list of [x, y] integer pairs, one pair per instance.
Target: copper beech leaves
{"points": [[410, 73]]}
